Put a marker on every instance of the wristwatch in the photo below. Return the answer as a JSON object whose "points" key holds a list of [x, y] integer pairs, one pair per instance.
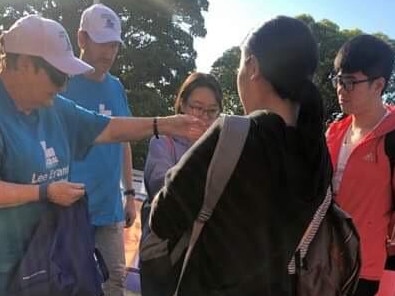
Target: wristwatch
{"points": [[130, 192]]}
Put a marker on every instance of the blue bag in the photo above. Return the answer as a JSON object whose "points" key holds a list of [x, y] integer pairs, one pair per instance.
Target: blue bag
{"points": [[61, 258]]}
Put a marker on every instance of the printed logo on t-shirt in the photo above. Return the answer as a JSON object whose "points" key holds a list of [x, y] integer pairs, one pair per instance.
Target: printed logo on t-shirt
{"points": [[53, 172], [51, 159], [102, 110]]}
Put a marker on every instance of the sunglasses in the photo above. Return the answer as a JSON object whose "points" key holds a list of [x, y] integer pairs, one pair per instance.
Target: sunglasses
{"points": [[58, 78]]}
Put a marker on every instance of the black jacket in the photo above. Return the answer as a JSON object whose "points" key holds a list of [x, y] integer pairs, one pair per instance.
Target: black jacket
{"points": [[271, 197]]}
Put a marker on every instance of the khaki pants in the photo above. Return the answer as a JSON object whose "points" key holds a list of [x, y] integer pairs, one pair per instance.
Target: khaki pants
{"points": [[109, 241]]}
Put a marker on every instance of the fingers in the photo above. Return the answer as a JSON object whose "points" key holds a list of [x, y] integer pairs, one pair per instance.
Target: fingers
{"points": [[130, 213], [79, 189], [194, 127], [65, 193], [195, 133], [77, 185], [128, 222]]}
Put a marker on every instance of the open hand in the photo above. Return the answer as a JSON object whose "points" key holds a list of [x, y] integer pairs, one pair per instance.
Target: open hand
{"points": [[186, 126]]}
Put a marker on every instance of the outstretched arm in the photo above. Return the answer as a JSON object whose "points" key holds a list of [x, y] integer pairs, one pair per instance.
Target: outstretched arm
{"points": [[123, 129]]}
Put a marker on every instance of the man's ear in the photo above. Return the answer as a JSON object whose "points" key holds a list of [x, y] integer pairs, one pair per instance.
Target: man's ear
{"points": [[254, 70], [379, 85], [23, 63], [82, 39]]}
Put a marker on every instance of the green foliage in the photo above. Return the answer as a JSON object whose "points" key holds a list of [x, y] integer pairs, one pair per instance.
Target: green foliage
{"points": [[329, 37], [159, 51], [158, 35], [225, 70], [147, 103]]}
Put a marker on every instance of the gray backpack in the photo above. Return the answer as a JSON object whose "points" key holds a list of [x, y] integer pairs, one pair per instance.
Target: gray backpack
{"points": [[162, 263]]}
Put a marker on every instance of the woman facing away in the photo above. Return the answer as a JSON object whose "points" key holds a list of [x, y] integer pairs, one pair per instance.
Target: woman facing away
{"points": [[278, 183]]}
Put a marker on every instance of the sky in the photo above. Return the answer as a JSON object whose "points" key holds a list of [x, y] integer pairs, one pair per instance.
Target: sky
{"points": [[228, 21]]}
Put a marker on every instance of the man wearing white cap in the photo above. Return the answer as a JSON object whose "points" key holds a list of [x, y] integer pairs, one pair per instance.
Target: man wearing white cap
{"points": [[41, 132], [99, 38]]}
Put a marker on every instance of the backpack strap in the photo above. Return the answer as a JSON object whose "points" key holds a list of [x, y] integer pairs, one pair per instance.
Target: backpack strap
{"points": [[389, 147], [226, 155], [309, 234]]}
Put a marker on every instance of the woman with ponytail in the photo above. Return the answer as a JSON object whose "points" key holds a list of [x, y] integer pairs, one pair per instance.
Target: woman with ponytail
{"points": [[278, 183]]}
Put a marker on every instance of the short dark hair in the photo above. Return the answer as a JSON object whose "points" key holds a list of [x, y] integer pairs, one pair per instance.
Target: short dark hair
{"points": [[366, 53], [193, 81]]}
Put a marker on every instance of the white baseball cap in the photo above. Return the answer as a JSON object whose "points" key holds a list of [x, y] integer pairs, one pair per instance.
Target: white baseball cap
{"points": [[101, 23], [37, 36]]}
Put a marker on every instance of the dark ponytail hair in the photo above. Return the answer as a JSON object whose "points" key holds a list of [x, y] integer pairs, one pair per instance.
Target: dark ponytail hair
{"points": [[287, 54]]}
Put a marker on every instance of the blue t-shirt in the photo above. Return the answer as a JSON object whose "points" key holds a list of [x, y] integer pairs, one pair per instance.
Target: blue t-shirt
{"points": [[101, 169], [37, 148]]}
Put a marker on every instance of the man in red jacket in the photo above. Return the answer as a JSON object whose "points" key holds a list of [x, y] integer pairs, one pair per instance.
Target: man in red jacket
{"points": [[362, 177]]}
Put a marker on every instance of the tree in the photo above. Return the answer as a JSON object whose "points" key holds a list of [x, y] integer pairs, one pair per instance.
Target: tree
{"points": [[158, 36], [329, 37], [225, 70]]}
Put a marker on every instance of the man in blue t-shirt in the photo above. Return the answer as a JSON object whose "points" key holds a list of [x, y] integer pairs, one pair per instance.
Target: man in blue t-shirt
{"points": [[42, 132], [99, 38]]}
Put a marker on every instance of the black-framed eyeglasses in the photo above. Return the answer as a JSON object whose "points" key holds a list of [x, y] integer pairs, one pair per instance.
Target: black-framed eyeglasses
{"points": [[211, 113], [58, 78], [347, 82]]}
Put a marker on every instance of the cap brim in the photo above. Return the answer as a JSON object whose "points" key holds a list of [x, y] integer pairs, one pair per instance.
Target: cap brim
{"points": [[70, 65]]}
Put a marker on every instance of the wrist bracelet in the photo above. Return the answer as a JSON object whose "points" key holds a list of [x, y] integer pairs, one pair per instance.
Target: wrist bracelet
{"points": [[43, 192], [155, 128], [131, 192]]}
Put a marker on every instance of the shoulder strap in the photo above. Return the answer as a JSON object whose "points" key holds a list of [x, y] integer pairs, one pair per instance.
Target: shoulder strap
{"points": [[389, 147], [226, 155], [309, 234]]}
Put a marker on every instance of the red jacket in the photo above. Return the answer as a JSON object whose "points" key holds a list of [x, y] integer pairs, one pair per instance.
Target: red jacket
{"points": [[365, 190]]}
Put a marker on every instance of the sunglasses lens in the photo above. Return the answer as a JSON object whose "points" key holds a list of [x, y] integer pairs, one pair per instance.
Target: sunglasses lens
{"points": [[60, 79], [57, 77]]}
